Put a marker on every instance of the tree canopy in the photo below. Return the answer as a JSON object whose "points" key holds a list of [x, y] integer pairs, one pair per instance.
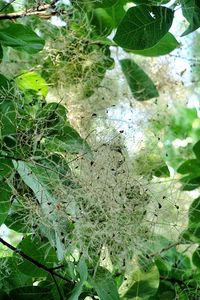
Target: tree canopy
{"points": [[81, 214]]}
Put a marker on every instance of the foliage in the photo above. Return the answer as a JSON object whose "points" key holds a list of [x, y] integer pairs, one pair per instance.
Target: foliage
{"points": [[80, 231]]}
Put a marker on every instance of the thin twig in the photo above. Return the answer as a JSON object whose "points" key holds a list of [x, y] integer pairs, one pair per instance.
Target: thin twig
{"points": [[56, 268], [164, 249], [33, 261], [57, 287]]}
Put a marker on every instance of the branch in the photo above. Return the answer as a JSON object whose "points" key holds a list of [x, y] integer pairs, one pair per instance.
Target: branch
{"points": [[164, 249], [43, 11], [33, 261]]}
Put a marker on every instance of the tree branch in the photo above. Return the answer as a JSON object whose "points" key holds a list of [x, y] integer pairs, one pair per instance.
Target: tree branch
{"points": [[33, 261], [164, 249], [44, 12]]}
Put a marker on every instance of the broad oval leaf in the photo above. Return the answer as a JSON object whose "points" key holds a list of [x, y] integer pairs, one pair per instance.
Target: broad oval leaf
{"points": [[12, 278], [42, 181], [194, 212], [7, 118], [196, 150], [192, 233], [22, 38], [161, 171], [16, 219], [191, 11], [143, 26], [141, 86], [102, 21], [190, 182], [32, 81], [145, 284], [33, 176], [196, 257], [105, 285], [166, 45], [190, 166], [5, 203], [6, 167], [39, 251], [166, 291], [31, 293], [68, 140], [54, 116], [4, 82], [117, 12]]}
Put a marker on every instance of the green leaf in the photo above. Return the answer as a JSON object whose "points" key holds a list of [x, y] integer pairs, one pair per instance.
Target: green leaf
{"points": [[69, 140], [194, 211], [39, 251], [5, 195], [1, 53], [32, 81], [105, 3], [21, 37], [43, 184], [11, 277], [31, 293], [166, 45], [102, 21], [54, 117], [83, 272], [6, 167], [165, 291], [196, 257], [104, 285], [6, 8], [190, 183], [49, 284], [140, 84], [191, 11], [196, 150], [145, 284], [60, 136], [34, 177], [143, 27], [4, 82], [162, 171], [192, 233], [117, 12], [190, 166], [16, 219], [7, 118]]}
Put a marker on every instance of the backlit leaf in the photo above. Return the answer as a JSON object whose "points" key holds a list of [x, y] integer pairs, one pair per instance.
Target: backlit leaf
{"points": [[166, 45], [32, 81], [143, 27], [191, 11], [140, 84], [21, 37]]}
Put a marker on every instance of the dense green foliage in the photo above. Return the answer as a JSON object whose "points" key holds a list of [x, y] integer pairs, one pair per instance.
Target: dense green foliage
{"points": [[38, 143]]}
